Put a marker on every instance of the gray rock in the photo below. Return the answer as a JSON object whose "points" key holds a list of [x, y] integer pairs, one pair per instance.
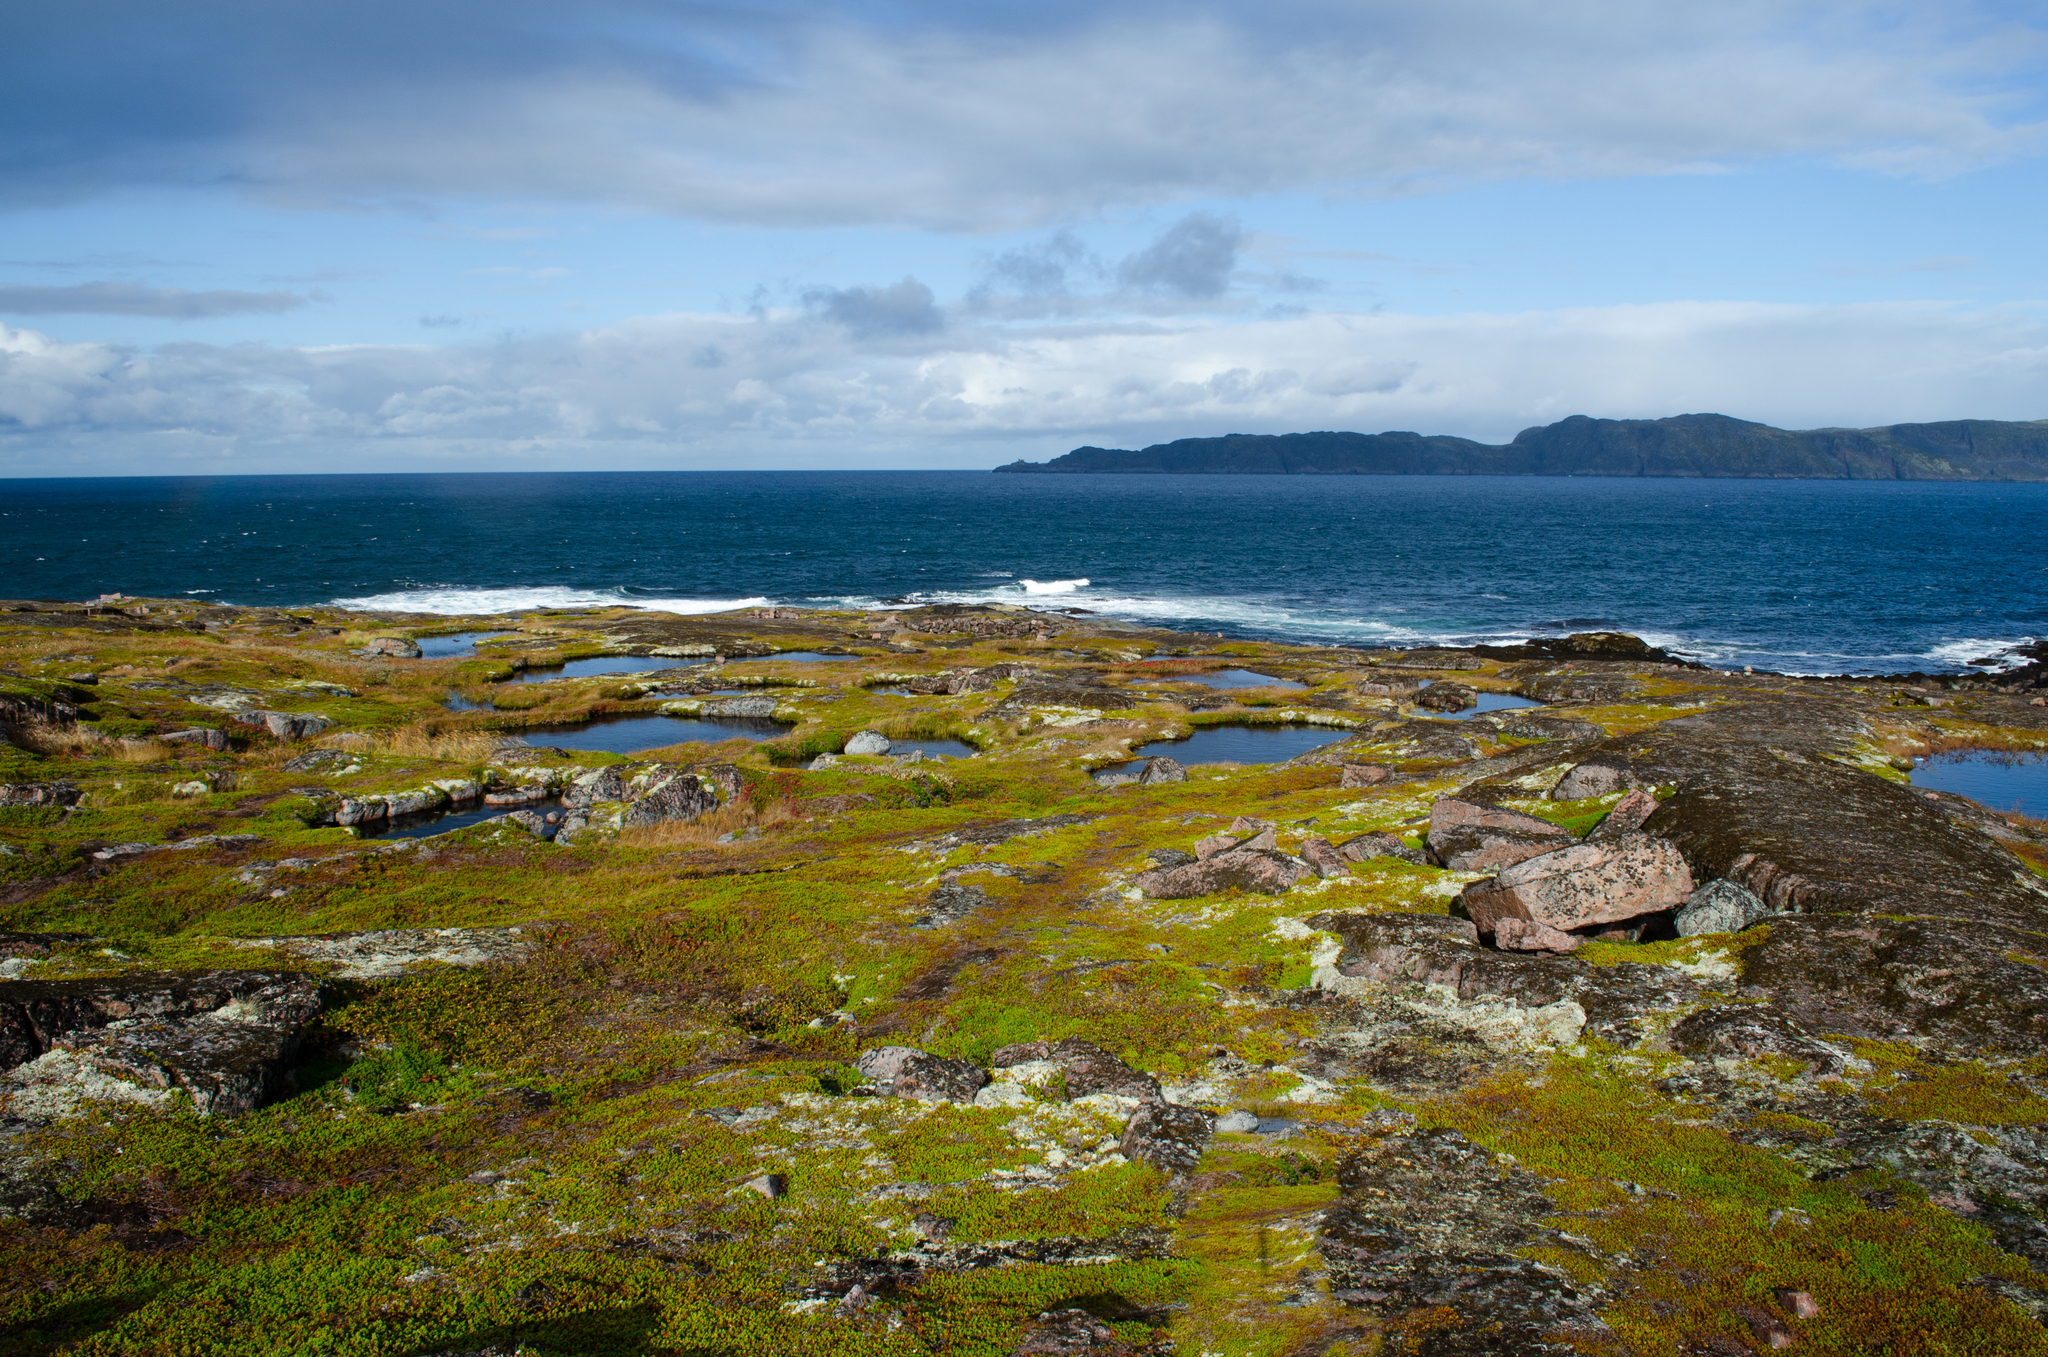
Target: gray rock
{"points": [[392, 646], [587, 789], [1238, 1122], [200, 735], [1160, 769], [1719, 907], [383, 953], [866, 742], [1167, 1136], [756, 707], [38, 794], [1428, 1220], [1172, 857], [285, 725], [1092, 1070], [951, 903], [1447, 697], [224, 1038], [906, 1072], [672, 798]]}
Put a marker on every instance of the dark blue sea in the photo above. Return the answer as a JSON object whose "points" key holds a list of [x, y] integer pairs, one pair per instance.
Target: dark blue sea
{"points": [[1797, 576]]}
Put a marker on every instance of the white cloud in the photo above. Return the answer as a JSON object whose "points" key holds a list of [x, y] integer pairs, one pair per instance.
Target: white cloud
{"points": [[796, 389], [964, 119]]}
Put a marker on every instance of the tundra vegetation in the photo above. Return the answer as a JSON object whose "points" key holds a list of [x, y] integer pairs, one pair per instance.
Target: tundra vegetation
{"points": [[1662, 1017]]}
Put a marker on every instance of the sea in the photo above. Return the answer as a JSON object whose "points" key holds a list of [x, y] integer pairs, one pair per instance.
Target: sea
{"points": [[1803, 577]]}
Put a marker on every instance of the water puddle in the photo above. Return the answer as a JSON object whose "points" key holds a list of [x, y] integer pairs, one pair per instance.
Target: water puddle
{"points": [[449, 647], [631, 734], [428, 823], [457, 702], [1242, 744], [604, 664], [1234, 678], [1487, 702], [795, 657], [1994, 778]]}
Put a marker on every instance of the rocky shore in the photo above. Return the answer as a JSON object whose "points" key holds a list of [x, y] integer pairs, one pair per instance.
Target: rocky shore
{"points": [[343, 1011]]}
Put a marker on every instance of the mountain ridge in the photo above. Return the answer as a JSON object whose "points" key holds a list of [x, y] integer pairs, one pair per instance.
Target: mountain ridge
{"points": [[1694, 445]]}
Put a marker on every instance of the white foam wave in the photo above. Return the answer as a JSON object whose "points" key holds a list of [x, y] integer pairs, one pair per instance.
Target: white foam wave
{"points": [[2000, 653], [466, 600], [1052, 586]]}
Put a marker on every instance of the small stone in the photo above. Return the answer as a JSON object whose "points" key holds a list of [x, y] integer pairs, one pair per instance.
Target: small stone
{"points": [[769, 1185], [1798, 1304], [867, 742], [1237, 1122], [193, 788], [1447, 697]]}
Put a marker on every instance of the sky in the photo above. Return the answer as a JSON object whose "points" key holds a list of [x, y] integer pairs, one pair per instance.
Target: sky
{"points": [[322, 237]]}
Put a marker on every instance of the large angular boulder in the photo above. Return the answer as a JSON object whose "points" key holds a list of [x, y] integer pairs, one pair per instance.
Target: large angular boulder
{"points": [[1320, 855], [1167, 1136], [906, 1072], [587, 789], [1585, 884], [1468, 837], [199, 735]]}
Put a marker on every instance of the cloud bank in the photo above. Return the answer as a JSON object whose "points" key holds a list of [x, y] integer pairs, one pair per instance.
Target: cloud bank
{"points": [[135, 299], [979, 118], [796, 388]]}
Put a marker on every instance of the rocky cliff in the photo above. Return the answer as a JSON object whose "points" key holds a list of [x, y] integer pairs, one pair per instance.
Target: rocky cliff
{"points": [[1683, 445]]}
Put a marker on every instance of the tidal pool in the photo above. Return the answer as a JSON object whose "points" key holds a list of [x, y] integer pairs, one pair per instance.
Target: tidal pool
{"points": [[1994, 778], [1242, 744], [428, 823], [796, 656], [448, 647], [603, 664], [1234, 678], [630, 734]]}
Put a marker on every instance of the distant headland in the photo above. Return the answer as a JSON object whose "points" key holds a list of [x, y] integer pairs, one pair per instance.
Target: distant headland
{"points": [[1683, 445]]}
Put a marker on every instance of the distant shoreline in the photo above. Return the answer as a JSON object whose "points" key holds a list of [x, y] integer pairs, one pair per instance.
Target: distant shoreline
{"points": [[1681, 447]]}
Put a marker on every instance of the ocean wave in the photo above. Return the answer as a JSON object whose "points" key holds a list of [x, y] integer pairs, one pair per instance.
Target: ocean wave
{"points": [[1052, 586], [463, 599]]}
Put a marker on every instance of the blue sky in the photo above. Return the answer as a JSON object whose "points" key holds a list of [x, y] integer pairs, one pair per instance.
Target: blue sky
{"points": [[241, 237]]}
